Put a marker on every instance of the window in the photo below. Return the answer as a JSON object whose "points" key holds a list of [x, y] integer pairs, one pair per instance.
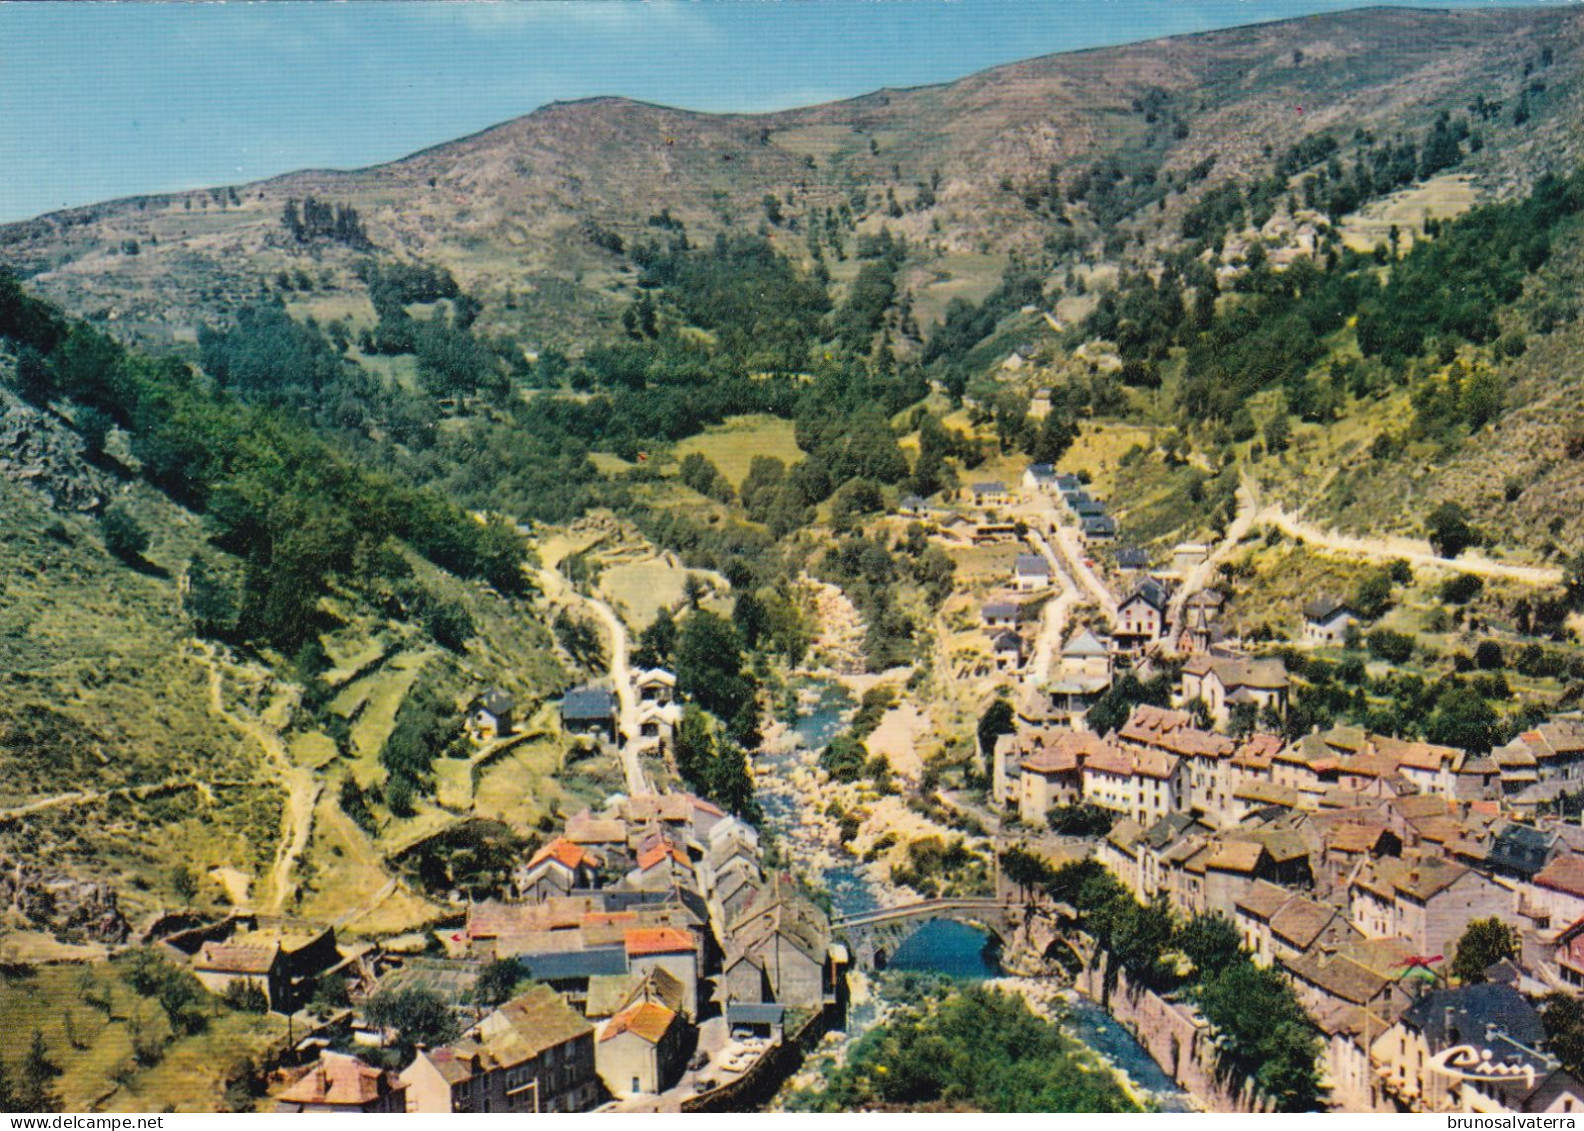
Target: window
{"points": [[636, 1088]]}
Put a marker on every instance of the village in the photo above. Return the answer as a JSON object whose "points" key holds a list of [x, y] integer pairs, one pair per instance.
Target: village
{"points": [[665, 969], [661, 960], [1352, 861]]}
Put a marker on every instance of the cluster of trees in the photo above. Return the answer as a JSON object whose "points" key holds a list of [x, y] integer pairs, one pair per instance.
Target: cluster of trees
{"points": [[714, 766], [1263, 1034], [1453, 710], [965, 325], [312, 219], [764, 313], [868, 572], [967, 1048], [299, 514], [427, 725], [34, 1088], [1453, 286]]}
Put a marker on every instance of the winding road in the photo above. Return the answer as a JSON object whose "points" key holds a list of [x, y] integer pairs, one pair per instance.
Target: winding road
{"points": [[1415, 551], [558, 588], [1200, 575]]}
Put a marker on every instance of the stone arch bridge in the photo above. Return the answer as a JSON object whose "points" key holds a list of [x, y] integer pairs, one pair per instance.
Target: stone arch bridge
{"points": [[874, 936]]}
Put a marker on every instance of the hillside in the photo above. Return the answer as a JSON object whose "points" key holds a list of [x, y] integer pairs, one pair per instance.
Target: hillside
{"points": [[401, 369], [525, 214]]}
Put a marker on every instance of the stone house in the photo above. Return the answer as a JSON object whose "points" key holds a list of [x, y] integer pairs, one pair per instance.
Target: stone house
{"points": [[1098, 528], [779, 950], [642, 1050], [1429, 901], [494, 713], [558, 868], [280, 957], [1224, 681], [669, 949], [1558, 889], [987, 494], [1504, 1031], [1141, 617], [655, 685], [1030, 572], [999, 615], [533, 1054], [589, 711], [1006, 648], [1039, 477]]}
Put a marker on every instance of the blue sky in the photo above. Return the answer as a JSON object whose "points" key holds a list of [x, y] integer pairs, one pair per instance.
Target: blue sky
{"points": [[106, 100]]}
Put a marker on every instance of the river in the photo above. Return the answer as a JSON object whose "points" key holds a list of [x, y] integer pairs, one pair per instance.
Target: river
{"points": [[956, 950]]}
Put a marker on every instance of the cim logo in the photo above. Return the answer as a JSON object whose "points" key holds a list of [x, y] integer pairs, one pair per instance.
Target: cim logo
{"points": [[1465, 1062]]}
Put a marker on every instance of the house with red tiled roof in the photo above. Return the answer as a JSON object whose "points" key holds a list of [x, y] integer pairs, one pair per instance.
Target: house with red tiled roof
{"points": [[642, 1050], [337, 1082], [558, 868], [670, 949]]}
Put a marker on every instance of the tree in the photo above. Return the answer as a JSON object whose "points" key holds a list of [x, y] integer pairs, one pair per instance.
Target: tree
{"points": [[1210, 942], [1373, 595], [1463, 719], [580, 638], [94, 425], [9, 1098], [657, 642], [1562, 1014], [1278, 431], [37, 1091], [415, 1016], [244, 996], [122, 534], [184, 882], [996, 721], [497, 982], [1242, 719], [1449, 530], [1484, 943], [1026, 870], [709, 664], [35, 379]]}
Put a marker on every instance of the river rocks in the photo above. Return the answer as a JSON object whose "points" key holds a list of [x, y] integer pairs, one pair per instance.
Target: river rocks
{"points": [[40, 453]]}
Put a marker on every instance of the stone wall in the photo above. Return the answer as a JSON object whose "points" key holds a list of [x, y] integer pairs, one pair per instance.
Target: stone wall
{"points": [[1176, 1038]]}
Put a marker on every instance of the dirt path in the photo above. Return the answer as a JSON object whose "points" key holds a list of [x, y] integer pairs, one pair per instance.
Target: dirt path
{"points": [[559, 589], [1415, 551], [302, 786], [89, 796]]}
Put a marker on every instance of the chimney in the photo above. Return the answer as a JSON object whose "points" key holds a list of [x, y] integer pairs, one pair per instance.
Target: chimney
{"points": [[1450, 1025]]}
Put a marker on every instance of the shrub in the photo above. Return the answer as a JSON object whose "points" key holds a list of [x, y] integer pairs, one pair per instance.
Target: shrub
{"points": [[1393, 647]]}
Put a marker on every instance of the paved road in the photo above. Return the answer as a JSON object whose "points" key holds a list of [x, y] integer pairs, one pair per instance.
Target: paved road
{"points": [[1053, 618], [1073, 552], [1200, 575]]}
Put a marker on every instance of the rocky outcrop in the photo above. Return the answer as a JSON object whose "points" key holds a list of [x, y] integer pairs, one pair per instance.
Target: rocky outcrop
{"points": [[73, 910], [38, 452]]}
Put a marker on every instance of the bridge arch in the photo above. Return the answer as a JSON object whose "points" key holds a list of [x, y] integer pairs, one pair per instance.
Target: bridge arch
{"points": [[875, 936]]}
